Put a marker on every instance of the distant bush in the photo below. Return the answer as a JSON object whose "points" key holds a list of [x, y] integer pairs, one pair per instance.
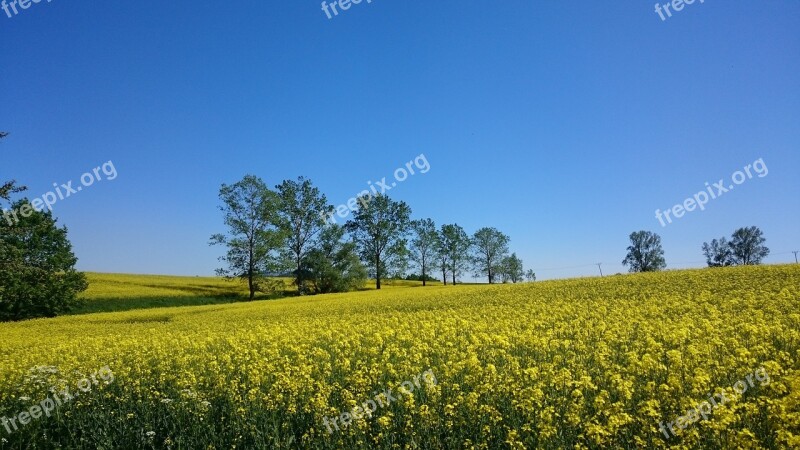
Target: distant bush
{"points": [[416, 277], [334, 266]]}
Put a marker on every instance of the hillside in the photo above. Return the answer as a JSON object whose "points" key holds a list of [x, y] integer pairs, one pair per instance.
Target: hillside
{"points": [[123, 292], [580, 363]]}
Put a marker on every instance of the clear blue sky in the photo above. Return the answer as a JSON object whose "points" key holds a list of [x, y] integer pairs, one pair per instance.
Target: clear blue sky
{"points": [[565, 124]]}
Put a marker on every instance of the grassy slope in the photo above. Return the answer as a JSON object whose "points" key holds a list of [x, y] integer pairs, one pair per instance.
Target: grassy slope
{"points": [[117, 292], [123, 292]]}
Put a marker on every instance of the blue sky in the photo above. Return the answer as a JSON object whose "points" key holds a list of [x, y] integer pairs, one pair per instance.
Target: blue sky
{"points": [[564, 124]]}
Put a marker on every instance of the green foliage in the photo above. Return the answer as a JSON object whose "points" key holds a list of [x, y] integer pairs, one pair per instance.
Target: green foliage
{"points": [[379, 228], [334, 265], [37, 266], [396, 266], [301, 213], [418, 277], [645, 253], [10, 187], [424, 246], [511, 269], [718, 253], [253, 239], [747, 246], [456, 243], [490, 250]]}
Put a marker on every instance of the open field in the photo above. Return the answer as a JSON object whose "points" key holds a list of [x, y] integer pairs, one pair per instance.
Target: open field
{"points": [[123, 292], [585, 363]]}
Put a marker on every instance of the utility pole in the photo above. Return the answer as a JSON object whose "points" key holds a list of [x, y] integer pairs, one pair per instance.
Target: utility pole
{"points": [[601, 269], [795, 255]]}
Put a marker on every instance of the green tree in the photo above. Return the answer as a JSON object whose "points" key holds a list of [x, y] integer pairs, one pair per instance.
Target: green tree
{"points": [[37, 266], [530, 275], [8, 188], [645, 253], [397, 265], [249, 210], [424, 246], [511, 269], [456, 243], [442, 260], [301, 213], [490, 247], [333, 265], [378, 228], [747, 246], [718, 253]]}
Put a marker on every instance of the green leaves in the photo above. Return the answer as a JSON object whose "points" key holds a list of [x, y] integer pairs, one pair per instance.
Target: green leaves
{"points": [[301, 213], [253, 239], [37, 267], [491, 249], [378, 228], [645, 253]]}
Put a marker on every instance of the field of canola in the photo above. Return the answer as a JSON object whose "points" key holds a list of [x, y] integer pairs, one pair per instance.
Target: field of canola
{"points": [[586, 363]]}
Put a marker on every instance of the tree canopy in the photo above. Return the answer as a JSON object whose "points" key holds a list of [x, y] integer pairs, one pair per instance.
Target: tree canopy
{"points": [[253, 238], [379, 227], [645, 253], [37, 266], [333, 265], [718, 253], [456, 243], [424, 246], [490, 249], [511, 269], [301, 209], [747, 246]]}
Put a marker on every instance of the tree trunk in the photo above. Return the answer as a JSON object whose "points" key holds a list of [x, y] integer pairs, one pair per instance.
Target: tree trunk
{"points": [[298, 275], [377, 272], [444, 275], [250, 271], [423, 272], [454, 278]]}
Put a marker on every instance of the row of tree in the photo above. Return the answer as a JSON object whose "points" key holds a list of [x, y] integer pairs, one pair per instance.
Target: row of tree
{"points": [[285, 230], [746, 247]]}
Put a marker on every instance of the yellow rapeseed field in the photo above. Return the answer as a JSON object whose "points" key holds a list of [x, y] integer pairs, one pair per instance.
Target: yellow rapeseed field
{"points": [[586, 363]]}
